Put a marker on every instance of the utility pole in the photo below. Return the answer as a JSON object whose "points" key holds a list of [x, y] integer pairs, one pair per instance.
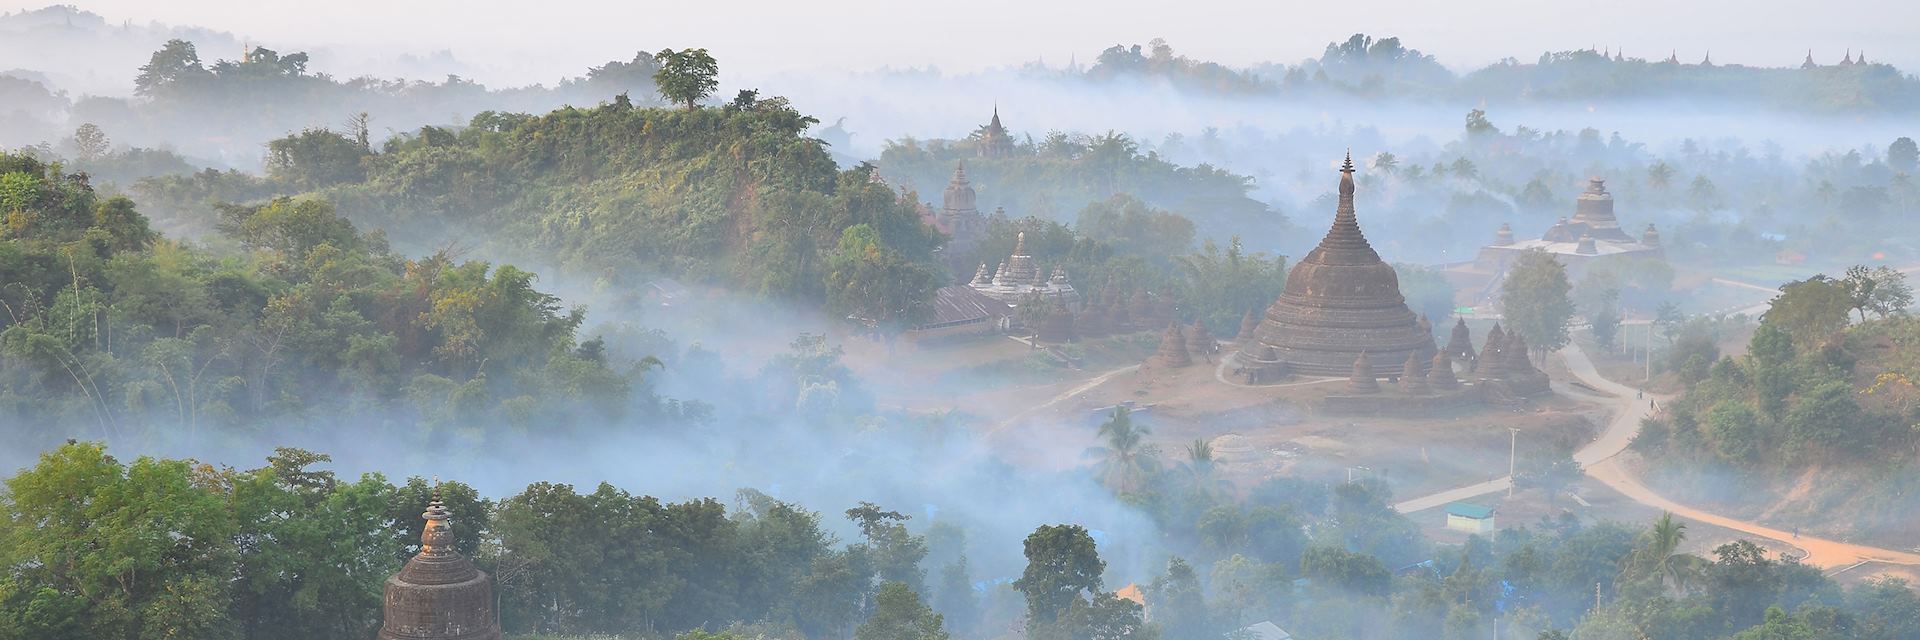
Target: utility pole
{"points": [[1513, 451], [1649, 378]]}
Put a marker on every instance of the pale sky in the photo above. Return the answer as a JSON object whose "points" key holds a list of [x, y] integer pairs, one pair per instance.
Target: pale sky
{"points": [[521, 42]]}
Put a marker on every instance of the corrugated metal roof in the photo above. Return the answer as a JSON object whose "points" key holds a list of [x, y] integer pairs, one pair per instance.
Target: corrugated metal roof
{"points": [[1469, 510], [961, 303]]}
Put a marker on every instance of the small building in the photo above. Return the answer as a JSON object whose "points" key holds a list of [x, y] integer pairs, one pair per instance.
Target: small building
{"points": [[1470, 517], [962, 310], [1264, 630]]}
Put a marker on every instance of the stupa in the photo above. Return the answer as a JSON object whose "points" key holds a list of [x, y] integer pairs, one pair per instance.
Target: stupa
{"points": [[1361, 381], [439, 594], [1341, 300], [1460, 344], [1413, 380], [1440, 375], [1173, 349], [1200, 341]]}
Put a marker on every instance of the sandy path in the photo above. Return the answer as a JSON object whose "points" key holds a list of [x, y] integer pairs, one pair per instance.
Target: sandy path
{"points": [[1600, 459], [1089, 385]]}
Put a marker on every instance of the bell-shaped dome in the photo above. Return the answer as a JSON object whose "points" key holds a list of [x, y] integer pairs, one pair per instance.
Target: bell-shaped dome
{"points": [[1342, 300]]}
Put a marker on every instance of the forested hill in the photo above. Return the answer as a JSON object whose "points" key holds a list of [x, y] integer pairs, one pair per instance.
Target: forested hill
{"points": [[299, 322], [1824, 398], [1054, 177], [736, 195]]}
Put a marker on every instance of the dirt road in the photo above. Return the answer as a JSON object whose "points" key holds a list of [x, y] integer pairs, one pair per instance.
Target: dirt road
{"points": [[1600, 459]]}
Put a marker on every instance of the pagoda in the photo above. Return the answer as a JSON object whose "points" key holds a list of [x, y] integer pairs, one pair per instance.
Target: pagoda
{"points": [[1020, 278], [1173, 349], [439, 594], [995, 142], [1339, 301]]}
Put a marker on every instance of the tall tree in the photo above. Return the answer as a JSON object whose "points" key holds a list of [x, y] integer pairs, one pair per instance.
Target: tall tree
{"points": [[1903, 155], [176, 62], [1810, 310], [686, 76], [1127, 460], [1535, 301], [898, 614], [1063, 567]]}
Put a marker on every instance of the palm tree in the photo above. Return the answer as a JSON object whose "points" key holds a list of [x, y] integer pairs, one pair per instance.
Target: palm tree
{"points": [[1127, 460], [1660, 176], [1199, 468], [1662, 553]]}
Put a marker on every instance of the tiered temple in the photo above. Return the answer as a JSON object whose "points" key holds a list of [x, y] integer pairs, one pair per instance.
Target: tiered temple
{"points": [[1339, 301], [439, 595], [1591, 236], [1020, 278]]}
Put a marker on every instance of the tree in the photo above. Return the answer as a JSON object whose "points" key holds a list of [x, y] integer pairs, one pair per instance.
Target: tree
{"points": [[316, 158], [686, 76], [90, 142], [1199, 471], [176, 62], [1903, 155], [1809, 311], [1535, 301], [898, 614], [1882, 290], [1660, 176], [1606, 325], [870, 281], [1342, 570], [1859, 284], [1703, 195], [956, 601], [1062, 567], [1827, 419], [1659, 555], [1126, 460], [1551, 474], [1478, 126], [1180, 604]]}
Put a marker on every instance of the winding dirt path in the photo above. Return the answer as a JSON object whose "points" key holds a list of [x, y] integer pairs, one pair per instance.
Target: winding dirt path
{"points": [[1601, 461], [1089, 385]]}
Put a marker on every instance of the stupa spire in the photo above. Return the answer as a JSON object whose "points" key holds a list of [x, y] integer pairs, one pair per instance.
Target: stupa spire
{"points": [[439, 593], [1344, 243]]}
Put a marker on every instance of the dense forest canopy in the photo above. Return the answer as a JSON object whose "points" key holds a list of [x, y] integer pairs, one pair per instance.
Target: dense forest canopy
{"points": [[95, 547], [115, 331]]}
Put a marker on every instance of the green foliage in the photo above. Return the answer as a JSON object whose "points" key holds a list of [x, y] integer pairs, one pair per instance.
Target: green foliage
{"points": [[1063, 569], [315, 322], [869, 281], [316, 158], [1057, 176], [1427, 292], [686, 76], [1810, 311], [1130, 226], [169, 548], [899, 615], [1350, 572], [1534, 300], [1127, 460]]}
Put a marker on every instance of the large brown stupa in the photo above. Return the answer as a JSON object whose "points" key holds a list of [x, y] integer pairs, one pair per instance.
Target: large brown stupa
{"points": [[439, 595], [1342, 300]]}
